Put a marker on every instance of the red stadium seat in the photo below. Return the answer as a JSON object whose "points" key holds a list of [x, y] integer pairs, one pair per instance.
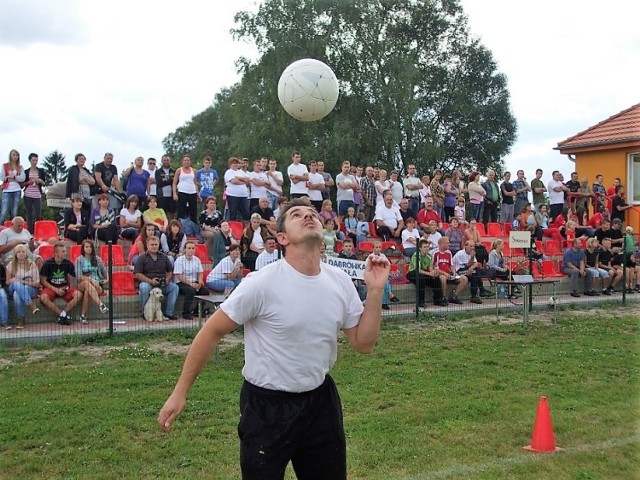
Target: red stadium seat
{"points": [[365, 247], [551, 248], [43, 230], [46, 251], [74, 252], [549, 269], [494, 229], [236, 228], [117, 255], [202, 253], [481, 229], [123, 283]]}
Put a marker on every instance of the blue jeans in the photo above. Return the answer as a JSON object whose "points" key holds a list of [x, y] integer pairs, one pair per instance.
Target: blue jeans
{"points": [[22, 296], [170, 291], [477, 211], [14, 199], [221, 285], [273, 201], [4, 307], [238, 206]]}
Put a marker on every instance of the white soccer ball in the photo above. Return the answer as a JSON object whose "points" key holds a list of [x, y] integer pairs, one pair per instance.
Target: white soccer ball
{"points": [[308, 90]]}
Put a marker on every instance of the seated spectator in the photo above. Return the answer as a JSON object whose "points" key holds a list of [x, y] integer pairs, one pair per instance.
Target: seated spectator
{"points": [[268, 255], [410, 237], [267, 218], [55, 278], [252, 242], [389, 223], [614, 233], [427, 214], [592, 262], [543, 221], [433, 236], [387, 294], [139, 246], [351, 225], [455, 235], [130, 219], [349, 253], [16, 235], [92, 276], [103, 221], [4, 301], [472, 233], [227, 274], [631, 262], [154, 269], [363, 230], [574, 266], [187, 270], [422, 273], [221, 243], [282, 201], [605, 256], [209, 219], [466, 264], [23, 281], [76, 221], [497, 265], [326, 212], [154, 215], [461, 211], [173, 241], [330, 237]]}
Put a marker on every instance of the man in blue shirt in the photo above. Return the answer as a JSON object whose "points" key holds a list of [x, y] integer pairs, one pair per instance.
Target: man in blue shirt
{"points": [[207, 179], [574, 265]]}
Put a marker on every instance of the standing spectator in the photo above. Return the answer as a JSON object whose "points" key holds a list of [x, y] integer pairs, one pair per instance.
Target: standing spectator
{"points": [[412, 187], [164, 187], [476, 195], [618, 205], [459, 182], [583, 201], [396, 187], [328, 181], [237, 181], [103, 221], [599, 193], [23, 281], [11, 175], [556, 191], [274, 190], [522, 190], [461, 211], [508, 193], [187, 270], [437, 192], [425, 191], [611, 192], [76, 221], [573, 187], [357, 195], [185, 190], [106, 175], [368, 189], [55, 278], [35, 179], [492, 199], [316, 186], [153, 269], [347, 185], [450, 195], [151, 182], [259, 184], [79, 183], [130, 219], [137, 179], [382, 185], [299, 176], [207, 179], [538, 189]]}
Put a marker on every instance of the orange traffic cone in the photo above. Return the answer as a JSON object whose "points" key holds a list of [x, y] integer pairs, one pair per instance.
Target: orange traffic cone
{"points": [[542, 439]]}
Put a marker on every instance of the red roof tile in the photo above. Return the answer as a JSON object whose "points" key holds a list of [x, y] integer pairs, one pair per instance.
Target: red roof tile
{"points": [[622, 128]]}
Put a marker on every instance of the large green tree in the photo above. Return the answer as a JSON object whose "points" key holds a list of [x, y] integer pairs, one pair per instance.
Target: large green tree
{"points": [[55, 168], [414, 88]]}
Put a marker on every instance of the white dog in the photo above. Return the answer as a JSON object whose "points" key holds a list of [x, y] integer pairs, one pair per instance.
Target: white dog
{"points": [[153, 307]]}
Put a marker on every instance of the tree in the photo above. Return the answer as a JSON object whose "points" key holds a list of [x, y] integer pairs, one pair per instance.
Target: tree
{"points": [[55, 168], [414, 88]]}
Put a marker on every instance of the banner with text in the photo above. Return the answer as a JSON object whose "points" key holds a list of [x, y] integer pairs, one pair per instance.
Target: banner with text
{"points": [[355, 268]]}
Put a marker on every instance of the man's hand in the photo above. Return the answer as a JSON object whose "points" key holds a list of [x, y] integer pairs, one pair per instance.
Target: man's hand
{"points": [[376, 272], [170, 411]]}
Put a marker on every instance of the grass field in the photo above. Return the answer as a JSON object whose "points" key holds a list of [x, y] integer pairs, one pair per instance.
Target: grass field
{"points": [[437, 399]]}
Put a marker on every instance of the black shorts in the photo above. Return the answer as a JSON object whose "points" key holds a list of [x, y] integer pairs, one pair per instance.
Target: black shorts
{"points": [[304, 428], [168, 204]]}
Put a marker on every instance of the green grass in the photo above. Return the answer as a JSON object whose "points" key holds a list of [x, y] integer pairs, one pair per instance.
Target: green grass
{"points": [[435, 400]]}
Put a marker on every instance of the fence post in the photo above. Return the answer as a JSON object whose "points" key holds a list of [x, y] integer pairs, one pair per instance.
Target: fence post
{"points": [[110, 272]]}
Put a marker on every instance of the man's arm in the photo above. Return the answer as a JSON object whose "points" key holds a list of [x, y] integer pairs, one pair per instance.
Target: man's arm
{"points": [[363, 336], [200, 352]]}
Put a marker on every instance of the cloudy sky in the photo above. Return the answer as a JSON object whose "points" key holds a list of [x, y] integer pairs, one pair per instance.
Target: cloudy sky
{"points": [[119, 76]]}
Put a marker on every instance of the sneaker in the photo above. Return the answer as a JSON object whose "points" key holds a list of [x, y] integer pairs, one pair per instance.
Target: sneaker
{"points": [[486, 293], [441, 303], [187, 316], [575, 294], [629, 290], [637, 288], [172, 317], [590, 293], [64, 320], [606, 292], [6, 326], [34, 310], [395, 300], [477, 300], [455, 299], [103, 308], [83, 319], [385, 307]]}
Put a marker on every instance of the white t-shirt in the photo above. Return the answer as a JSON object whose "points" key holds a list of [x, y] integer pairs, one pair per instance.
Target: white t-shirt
{"points": [[555, 197], [434, 238], [152, 187], [390, 216], [258, 191], [345, 193], [406, 234], [291, 345], [234, 190], [381, 186], [8, 235], [265, 258], [130, 217], [189, 268], [315, 179], [397, 190], [224, 267], [411, 180], [301, 186], [277, 188]]}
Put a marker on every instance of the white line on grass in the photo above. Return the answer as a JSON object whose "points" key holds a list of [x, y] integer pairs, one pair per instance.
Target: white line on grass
{"points": [[520, 459]]}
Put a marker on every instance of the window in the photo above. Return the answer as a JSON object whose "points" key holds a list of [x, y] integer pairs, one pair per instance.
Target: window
{"points": [[633, 195]]}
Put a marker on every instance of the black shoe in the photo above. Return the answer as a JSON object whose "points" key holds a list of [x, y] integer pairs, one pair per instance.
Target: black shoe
{"points": [[187, 316], [422, 305], [590, 293], [395, 300], [441, 303], [64, 320], [606, 292], [477, 300], [595, 293], [172, 317], [575, 294], [456, 300], [385, 306], [486, 293], [629, 290], [512, 296]]}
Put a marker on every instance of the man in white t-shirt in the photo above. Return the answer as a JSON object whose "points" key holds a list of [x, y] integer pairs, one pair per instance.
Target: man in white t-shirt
{"points": [[15, 235], [151, 182], [274, 190], [412, 187], [316, 185], [237, 182], [299, 176], [187, 272], [347, 185], [389, 223], [289, 350], [268, 255], [556, 191], [259, 184]]}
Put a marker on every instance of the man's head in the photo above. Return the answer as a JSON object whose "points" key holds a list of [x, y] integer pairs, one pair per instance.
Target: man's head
{"points": [[153, 244], [189, 249], [443, 244], [423, 246], [576, 244], [296, 157], [574, 176], [108, 159], [469, 247], [520, 174], [428, 203], [491, 175], [60, 251], [151, 163], [270, 244], [347, 247], [388, 200], [369, 172], [17, 224], [599, 178], [313, 166], [346, 166], [166, 161], [263, 202], [264, 161], [206, 162], [539, 173], [377, 246], [616, 224], [299, 222], [257, 166], [411, 170], [320, 164], [404, 204], [506, 176], [411, 223], [272, 164]]}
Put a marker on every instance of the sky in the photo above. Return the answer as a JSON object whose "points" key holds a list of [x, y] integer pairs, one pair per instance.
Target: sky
{"points": [[119, 76]]}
